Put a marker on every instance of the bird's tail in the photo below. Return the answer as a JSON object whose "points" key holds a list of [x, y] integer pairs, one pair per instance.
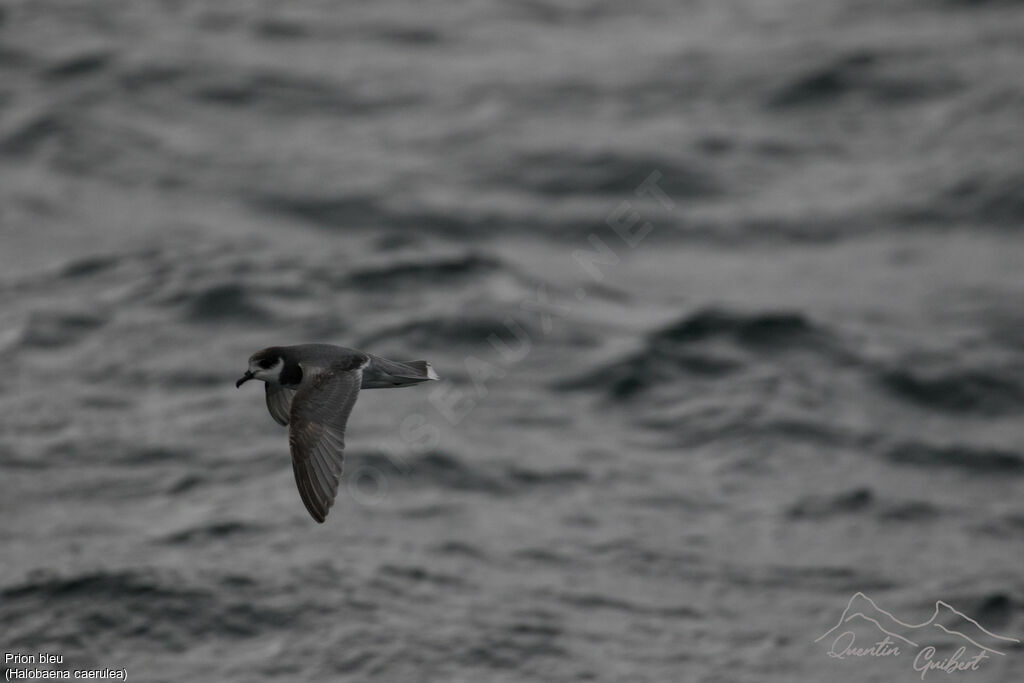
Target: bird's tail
{"points": [[383, 373]]}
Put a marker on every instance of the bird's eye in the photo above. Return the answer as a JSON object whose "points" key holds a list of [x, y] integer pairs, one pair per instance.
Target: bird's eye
{"points": [[267, 363]]}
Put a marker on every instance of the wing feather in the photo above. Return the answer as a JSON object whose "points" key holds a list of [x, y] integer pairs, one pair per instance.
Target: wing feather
{"points": [[279, 402], [309, 498], [316, 434]]}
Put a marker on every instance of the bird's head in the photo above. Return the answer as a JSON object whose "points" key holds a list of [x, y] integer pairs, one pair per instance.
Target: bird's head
{"points": [[265, 365]]}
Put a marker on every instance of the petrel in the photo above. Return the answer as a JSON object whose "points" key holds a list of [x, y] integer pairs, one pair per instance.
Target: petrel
{"points": [[311, 388]]}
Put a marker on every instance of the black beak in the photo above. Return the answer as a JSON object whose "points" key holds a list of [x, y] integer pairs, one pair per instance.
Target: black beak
{"points": [[243, 379]]}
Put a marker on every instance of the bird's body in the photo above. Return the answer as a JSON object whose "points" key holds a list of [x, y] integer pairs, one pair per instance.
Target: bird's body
{"points": [[311, 388]]}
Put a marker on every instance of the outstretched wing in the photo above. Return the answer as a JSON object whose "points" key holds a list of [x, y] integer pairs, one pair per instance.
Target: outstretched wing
{"points": [[279, 402], [317, 435]]}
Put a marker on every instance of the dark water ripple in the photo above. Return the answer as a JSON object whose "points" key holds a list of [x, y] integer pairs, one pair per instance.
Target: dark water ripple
{"points": [[987, 392], [879, 78], [566, 173], [53, 329], [80, 64], [221, 303], [452, 271], [977, 459], [446, 332], [447, 471], [211, 533], [699, 345], [137, 606], [855, 500], [862, 501]]}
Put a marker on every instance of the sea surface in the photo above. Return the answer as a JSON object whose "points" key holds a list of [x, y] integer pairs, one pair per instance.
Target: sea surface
{"points": [[726, 298]]}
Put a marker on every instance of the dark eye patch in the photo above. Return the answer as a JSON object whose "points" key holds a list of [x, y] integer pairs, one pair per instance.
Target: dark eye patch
{"points": [[267, 363]]}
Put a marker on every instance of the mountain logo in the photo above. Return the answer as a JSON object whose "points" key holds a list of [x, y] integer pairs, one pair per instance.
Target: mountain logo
{"points": [[947, 627]]}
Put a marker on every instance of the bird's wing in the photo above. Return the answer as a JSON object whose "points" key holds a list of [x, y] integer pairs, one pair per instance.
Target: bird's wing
{"points": [[317, 434], [279, 402]]}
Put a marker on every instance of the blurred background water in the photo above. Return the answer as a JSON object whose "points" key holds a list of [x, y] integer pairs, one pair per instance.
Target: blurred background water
{"points": [[805, 380]]}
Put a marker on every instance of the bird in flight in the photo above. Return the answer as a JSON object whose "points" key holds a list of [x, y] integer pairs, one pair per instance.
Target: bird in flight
{"points": [[311, 388]]}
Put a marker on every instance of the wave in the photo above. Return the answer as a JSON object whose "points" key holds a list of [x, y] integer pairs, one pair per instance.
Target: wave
{"points": [[912, 511], [143, 76], [23, 137], [150, 455], [977, 4], [530, 478], [453, 270], [213, 532], [293, 94], [123, 585], [417, 574], [871, 74], [445, 332], [995, 610], [1009, 525], [546, 557], [447, 471], [956, 391], [820, 507], [57, 329], [141, 605], [509, 650], [772, 329], [185, 483], [603, 173], [980, 460], [221, 303], [861, 501], [628, 377], [681, 349], [985, 196], [459, 549], [81, 64], [839, 579], [89, 266], [282, 28], [603, 602], [362, 211]]}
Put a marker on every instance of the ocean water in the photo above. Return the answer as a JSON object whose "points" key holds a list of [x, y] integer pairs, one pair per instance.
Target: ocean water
{"points": [[726, 298]]}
